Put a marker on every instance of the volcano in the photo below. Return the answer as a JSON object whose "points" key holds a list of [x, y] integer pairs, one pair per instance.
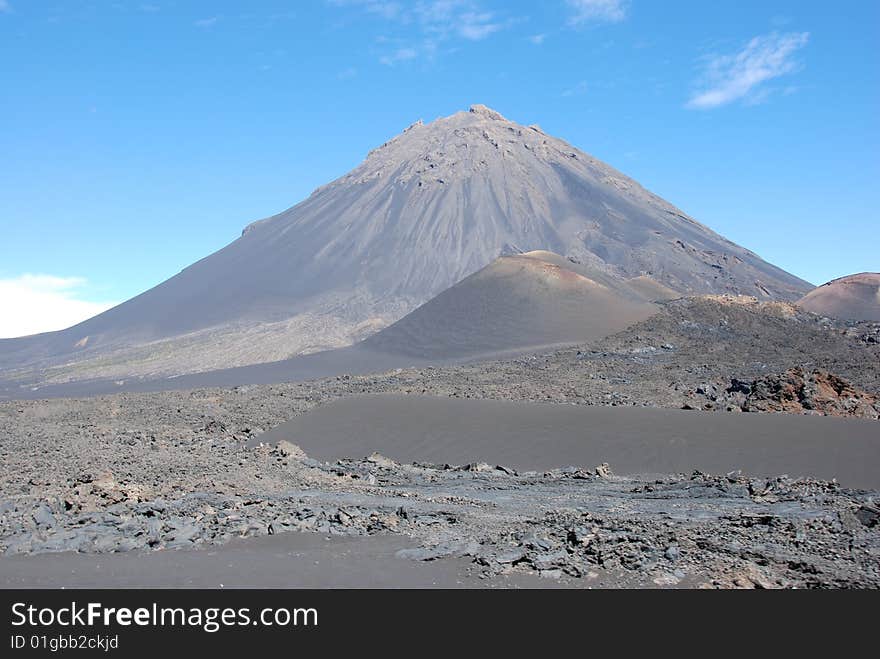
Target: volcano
{"points": [[424, 211]]}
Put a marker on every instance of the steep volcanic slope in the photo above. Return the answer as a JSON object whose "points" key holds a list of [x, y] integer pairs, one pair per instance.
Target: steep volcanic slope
{"points": [[856, 297], [529, 300], [426, 209]]}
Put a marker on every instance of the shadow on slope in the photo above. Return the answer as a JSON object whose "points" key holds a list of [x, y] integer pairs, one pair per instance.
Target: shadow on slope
{"points": [[527, 300]]}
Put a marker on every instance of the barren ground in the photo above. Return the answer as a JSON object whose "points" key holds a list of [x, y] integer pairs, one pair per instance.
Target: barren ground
{"points": [[155, 472]]}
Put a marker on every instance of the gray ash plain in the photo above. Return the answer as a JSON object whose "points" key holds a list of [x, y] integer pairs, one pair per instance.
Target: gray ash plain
{"points": [[129, 475]]}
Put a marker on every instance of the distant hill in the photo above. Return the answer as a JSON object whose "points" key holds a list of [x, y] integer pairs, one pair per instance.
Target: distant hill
{"points": [[534, 299], [856, 297]]}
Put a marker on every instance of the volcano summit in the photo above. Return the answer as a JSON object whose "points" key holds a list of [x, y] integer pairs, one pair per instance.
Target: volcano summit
{"points": [[425, 210]]}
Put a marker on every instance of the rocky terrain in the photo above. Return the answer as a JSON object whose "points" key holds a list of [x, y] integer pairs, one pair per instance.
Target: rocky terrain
{"points": [[795, 392], [686, 356], [722, 531], [171, 469]]}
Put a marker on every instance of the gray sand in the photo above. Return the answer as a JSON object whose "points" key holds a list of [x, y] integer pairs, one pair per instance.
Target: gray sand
{"points": [[633, 440], [102, 478], [288, 560]]}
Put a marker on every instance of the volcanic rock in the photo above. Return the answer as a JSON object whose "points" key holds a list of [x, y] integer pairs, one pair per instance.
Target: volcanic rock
{"points": [[795, 391]]}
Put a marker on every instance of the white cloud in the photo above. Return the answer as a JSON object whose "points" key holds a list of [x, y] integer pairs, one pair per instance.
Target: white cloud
{"points": [[462, 18], [430, 23], [399, 55], [728, 78], [5, 7], [537, 39], [607, 11], [477, 25], [43, 303]]}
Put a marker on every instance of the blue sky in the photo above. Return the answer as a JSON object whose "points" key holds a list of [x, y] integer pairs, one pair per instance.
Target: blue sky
{"points": [[138, 137]]}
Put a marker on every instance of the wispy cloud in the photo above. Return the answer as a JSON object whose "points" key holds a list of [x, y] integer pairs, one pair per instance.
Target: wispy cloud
{"points": [[538, 39], [444, 19], [578, 90], [743, 75], [207, 22], [383, 8], [5, 7], [43, 303], [604, 11], [149, 9], [399, 55], [477, 25], [429, 24]]}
